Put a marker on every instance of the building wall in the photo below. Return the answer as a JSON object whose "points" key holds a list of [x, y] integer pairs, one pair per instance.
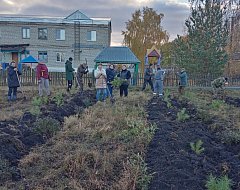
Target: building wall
{"points": [[11, 33]]}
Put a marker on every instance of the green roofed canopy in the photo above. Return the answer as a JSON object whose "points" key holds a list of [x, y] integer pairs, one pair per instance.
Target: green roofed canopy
{"points": [[117, 55]]}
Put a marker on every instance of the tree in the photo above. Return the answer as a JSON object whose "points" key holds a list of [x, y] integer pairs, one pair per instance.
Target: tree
{"points": [[203, 50], [144, 31]]}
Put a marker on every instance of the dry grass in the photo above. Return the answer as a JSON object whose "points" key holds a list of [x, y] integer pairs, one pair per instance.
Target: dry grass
{"points": [[14, 110], [226, 117], [93, 151]]}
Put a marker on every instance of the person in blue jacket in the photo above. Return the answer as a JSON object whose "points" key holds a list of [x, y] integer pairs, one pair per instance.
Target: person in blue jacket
{"points": [[183, 80], [13, 81]]}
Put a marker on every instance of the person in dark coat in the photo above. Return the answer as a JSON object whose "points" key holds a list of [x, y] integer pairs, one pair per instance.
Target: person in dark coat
{"points": [[125, 76], [148, 77], [82, 69], [183, 81], [111, 73], [69, 73], [13, 81]]}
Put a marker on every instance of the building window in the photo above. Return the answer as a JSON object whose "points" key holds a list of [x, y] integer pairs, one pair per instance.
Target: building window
{"points": [[43, 56], [60, 57], [42, 33], [25, 33], [92, 36], [60, 34]]}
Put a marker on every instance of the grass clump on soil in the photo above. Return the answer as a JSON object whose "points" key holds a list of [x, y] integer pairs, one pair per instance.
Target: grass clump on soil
{"points": [[103, 148], [197, 147], [46, 127], [182, 115], [222, 183]]}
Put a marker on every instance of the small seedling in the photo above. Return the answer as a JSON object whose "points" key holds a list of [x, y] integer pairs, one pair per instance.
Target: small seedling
{"points": [[182, 115], [222, 183], [197, 147], [58, 99]]}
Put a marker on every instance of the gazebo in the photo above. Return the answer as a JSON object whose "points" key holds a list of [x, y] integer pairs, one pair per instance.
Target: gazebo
{"points": [[119, 55]]}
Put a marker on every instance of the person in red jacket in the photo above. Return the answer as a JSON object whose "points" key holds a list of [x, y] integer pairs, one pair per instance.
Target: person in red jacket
{"points": [[43, 79]]}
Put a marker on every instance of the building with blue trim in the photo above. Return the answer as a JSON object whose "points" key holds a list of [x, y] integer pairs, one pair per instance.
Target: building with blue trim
{"points": [[54, 39]]}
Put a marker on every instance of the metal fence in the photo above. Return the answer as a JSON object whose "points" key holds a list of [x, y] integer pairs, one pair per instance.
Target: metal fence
{"points": [[28, 78]]}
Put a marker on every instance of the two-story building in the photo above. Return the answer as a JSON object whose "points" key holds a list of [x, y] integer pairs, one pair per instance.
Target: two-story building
{"points": [[52, 39]]}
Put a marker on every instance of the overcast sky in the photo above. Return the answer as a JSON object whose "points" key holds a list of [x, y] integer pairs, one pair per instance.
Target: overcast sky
{"points": [[120, 11]]}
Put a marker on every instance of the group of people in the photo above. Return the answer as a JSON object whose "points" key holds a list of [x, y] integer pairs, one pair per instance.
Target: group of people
{"points": [[104, 79], [155, 80]]}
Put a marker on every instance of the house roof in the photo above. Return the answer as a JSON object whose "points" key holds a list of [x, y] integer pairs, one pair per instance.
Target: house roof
{"points": [[76, 16], [117, 55], [153, 52]]}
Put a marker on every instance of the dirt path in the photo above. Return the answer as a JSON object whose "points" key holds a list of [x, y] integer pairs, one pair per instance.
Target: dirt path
{"points": [[170, 158]]}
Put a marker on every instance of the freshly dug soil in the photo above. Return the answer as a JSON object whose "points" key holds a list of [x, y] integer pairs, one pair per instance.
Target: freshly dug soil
{"points": [[170, 159], [18, 136], [233, 101]]}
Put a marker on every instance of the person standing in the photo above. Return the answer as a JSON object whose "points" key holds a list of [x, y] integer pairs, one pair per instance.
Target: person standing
{"points": [[148, 76], [183, 81], [82, 69], [111, 73], [69, 73], [43, 79], [13, 81], [158, 85], [124, 75], [101, 84]]}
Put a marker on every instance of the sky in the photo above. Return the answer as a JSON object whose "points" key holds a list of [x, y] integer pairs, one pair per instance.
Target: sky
{"points": [[120, 11]]}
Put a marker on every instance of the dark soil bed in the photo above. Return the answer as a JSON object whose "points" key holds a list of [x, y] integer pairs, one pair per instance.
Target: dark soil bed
{"points": [[170, 158], [233, 101], [18, 136]]}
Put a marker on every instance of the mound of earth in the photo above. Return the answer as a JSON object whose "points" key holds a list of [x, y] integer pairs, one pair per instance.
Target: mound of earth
{"points": [[170, 159], [233, 101], [18, 136]]}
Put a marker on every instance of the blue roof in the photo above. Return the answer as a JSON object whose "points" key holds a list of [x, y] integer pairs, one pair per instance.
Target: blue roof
{"points": [[29, 59], [117, 55]]}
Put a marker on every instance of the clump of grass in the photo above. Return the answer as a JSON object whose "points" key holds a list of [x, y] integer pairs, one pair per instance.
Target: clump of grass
{"points": [[35, 110], [222, 183], [47, 127], [182, 115], [197, 147], [217, 104], [141, 176]]}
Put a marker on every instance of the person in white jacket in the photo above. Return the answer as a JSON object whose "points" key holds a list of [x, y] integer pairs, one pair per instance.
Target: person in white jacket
{"points": [[101, 83]]}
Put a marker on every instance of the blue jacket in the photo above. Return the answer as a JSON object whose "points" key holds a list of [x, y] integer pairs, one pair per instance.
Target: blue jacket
{"points": [[12, 77], [110, 75], [183, 78]]}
